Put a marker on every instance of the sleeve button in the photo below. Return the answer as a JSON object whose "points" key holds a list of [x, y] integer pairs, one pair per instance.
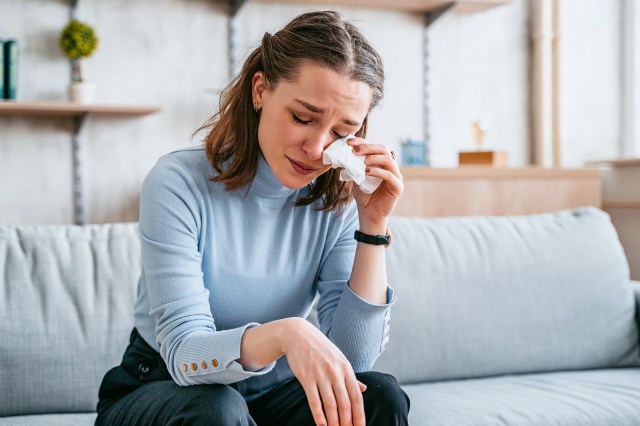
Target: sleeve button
{"points": [[144, 368], [214, 362], [204, 365], [194, 366], [184, 368]]}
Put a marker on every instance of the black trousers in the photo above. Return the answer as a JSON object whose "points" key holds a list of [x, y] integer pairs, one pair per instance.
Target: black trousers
{"points": [[141, 392]]}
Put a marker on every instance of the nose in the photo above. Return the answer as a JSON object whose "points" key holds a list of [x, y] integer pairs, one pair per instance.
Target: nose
{"points": [[315, 145]]}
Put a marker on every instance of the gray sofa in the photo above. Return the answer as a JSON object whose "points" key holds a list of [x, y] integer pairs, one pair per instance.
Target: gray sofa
{"points": [[526, 320]]}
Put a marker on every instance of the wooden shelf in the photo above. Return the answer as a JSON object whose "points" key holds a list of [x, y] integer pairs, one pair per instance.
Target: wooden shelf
{"points": [[467, 6], [618, 162], [69, 109], [621, 204]]}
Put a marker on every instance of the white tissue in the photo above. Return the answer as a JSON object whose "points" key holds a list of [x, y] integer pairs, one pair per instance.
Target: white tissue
{"points": [[339, 154]]}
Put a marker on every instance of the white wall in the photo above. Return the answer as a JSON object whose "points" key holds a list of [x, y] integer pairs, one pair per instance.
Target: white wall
{"points": [[479, 72], [397, 37], [590, 79], [630, 145], [166, 52], [174, 53]]}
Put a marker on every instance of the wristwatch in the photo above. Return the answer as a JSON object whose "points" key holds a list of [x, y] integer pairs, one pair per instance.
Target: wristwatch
{"points": [[377, 240]]}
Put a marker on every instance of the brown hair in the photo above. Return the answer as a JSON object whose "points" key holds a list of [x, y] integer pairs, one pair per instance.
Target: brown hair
{"points": [[321, 37]]}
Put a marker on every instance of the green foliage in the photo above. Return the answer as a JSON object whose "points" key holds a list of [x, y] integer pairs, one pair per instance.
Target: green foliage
{"points": [[78, 40]]}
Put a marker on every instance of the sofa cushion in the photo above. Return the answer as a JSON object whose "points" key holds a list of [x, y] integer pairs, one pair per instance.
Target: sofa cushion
{"points": [[483, 296], [66, 312], [586, 398], [76, 419]]}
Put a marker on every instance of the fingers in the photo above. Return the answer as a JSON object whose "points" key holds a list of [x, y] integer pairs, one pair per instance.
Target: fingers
{"points": [[355, 388], [393, 183], [376, 156], [361, 147], [338, 404], [333, 393], [315, 403], [329, 404], [384, 162], [343, 403]]}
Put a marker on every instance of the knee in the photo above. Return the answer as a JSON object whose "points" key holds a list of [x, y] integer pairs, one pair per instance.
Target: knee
{"points": [[385, 401], [213, 404]]}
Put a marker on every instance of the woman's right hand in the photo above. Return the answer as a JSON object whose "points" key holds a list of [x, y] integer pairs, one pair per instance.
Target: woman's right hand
{"points": [[325, 375]]}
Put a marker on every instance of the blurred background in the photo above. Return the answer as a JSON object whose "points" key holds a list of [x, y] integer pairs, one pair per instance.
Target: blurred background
{"points": [[551, 83]]}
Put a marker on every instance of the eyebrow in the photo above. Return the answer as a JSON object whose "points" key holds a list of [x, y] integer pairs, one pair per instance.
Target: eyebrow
{"points": [[319, 110]]}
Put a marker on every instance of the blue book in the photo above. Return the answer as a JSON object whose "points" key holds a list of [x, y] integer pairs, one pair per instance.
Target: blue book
{"points": [[2, 93], [11, 69]]}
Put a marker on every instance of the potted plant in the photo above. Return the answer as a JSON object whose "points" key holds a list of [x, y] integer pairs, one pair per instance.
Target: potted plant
{"points": [[78, 41]]}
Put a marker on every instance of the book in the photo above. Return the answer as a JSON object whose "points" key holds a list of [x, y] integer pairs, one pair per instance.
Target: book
{"points": [[11, 69], [2, 94]]}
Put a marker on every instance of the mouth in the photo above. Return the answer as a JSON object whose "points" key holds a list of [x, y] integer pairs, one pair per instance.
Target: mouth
{"points": [[302, 168]]}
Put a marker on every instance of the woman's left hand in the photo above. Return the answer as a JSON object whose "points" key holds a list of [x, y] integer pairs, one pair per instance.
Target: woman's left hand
{"points": [[376, 207]]}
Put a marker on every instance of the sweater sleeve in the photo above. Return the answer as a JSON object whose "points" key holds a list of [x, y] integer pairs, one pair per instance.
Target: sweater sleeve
{"points": [[194, 351], [358, 328]]}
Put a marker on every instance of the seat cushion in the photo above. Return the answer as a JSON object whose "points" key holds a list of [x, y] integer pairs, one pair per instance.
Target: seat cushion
{"points": [[66, 312], [587, 398], [483, 296], [77, 419]]}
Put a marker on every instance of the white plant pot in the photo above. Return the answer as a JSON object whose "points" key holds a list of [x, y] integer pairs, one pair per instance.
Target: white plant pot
{"points": [[81, 92]]}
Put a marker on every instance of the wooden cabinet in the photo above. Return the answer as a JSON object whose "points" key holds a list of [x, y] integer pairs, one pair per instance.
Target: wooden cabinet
{"points": [[621, 199], [471, 191]]}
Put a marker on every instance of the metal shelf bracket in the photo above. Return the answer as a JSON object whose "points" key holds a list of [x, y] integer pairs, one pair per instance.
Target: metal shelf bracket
{"points": [[78, 169]]}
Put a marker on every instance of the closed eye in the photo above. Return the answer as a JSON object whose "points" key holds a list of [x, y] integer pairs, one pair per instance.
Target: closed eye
{"points": [[299, 120], [306, 123]]}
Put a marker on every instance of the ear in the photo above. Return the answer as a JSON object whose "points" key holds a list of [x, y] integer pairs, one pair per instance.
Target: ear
{"points": [[258, 87]]}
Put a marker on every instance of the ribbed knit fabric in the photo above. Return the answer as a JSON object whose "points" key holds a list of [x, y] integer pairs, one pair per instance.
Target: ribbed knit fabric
{"points": [[216, 262]]}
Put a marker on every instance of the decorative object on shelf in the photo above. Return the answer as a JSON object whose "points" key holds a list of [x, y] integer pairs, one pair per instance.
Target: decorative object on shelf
{"points": [[9, 69], [78, 41], [480, 157], [414, 152]]}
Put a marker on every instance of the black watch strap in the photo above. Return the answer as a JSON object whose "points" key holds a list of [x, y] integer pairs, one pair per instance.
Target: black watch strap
{"points": [[378, 240]]}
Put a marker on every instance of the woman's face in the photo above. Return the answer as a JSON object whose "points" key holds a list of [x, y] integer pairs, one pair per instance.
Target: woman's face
{"points": [[301, 118]]}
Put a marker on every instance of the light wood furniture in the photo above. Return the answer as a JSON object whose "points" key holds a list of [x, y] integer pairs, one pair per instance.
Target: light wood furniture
{"points": [[469, 191], [482, 158], [621, 182], [621, 199], [69, 109], [406, 5]]}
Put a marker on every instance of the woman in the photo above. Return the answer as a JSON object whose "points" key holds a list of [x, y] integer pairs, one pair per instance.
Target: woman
{"points": [[238, 238]]}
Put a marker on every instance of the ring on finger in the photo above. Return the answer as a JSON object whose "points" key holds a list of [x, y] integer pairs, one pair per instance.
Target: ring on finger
{"points": [[393, 155]]}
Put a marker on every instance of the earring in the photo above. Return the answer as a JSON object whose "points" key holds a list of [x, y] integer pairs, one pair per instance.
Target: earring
{"points": [[257, 106]]}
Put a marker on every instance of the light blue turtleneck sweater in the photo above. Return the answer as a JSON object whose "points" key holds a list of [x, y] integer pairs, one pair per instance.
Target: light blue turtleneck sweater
{"points": [[216, 262]]}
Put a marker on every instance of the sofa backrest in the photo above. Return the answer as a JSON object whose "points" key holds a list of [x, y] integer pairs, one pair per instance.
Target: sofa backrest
{"points": [[66, 311], [484, 296]]}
